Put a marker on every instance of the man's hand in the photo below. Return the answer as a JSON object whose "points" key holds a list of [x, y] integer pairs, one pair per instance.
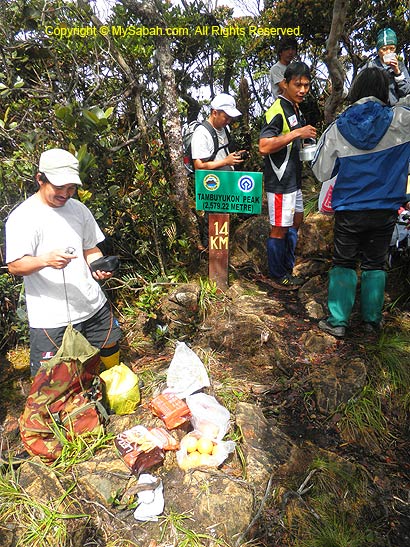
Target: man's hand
{"points": [[100, 275], [307, 132], [27, 265], [58, 259], [393, 63], [234, 158]]}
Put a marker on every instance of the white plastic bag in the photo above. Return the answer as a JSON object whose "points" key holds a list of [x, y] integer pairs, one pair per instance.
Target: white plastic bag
{"points": [[186, 373], [325, 196], [192, 455], [209, 417], [151, 502]]}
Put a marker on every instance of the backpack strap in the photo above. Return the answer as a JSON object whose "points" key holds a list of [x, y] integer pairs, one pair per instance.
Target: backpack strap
{"points": [[214, 136]]}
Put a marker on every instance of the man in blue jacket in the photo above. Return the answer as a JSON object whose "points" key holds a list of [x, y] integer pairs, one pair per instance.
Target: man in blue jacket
{"points": [[368, 148]]}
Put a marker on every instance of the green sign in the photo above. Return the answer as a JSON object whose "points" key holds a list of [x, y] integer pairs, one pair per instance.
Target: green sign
{"points": [[228, 192]]}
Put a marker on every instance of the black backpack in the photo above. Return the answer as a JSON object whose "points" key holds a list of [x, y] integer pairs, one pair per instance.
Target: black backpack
{"points": [[187, 134]]}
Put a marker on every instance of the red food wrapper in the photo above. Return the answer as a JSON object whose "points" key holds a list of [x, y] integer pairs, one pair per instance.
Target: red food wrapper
{"points": [[172, 410]]}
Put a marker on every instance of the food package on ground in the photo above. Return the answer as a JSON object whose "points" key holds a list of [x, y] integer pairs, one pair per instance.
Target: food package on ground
{"points": [[172, 410], [208, 416], [141, 448], [200, 451], [122, 389]]}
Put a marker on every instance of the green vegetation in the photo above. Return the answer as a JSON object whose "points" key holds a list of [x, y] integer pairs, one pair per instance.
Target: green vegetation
{"points": [[325, 511], [40, 524], [208, 295], [174, 526], [364, 418], [79, 448]]}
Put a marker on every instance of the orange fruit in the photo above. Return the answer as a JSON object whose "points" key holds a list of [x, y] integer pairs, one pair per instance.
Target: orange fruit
{"points": [[193, 459], [206, 460], [205, 446], [190, 443]]}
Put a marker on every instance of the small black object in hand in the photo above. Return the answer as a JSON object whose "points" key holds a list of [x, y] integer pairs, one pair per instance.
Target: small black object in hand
{"points": [[105, 264]]}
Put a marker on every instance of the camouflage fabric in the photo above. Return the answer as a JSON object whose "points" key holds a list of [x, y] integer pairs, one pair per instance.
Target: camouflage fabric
{"points": [[66, 391]]}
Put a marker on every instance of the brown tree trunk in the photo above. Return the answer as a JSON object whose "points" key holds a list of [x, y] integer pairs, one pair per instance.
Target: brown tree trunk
{"points": [[172, 134], [150, 14], [331, 59]]}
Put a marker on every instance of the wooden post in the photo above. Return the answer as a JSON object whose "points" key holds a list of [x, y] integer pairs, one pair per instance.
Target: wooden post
{"points": [[218, 246]]}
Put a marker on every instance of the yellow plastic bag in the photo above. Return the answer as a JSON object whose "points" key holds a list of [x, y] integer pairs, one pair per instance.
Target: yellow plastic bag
{"points": [[122, 389]]}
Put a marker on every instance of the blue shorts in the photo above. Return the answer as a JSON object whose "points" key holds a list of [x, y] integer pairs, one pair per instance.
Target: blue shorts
{"points": [[101, 330]]}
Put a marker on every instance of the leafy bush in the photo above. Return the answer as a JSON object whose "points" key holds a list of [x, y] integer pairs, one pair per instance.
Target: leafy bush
{"points": [[13, 326]]}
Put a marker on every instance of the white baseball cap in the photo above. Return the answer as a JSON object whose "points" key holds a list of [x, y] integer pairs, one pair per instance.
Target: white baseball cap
{"points": [[60, 167], [225, 102]]}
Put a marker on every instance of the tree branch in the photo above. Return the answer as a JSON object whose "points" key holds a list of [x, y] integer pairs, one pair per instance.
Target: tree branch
{"points": [[331, 59]]}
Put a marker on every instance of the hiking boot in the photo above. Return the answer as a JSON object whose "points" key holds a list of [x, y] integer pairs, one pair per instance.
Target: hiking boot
{"points": [[373, 328], [296, 280], [338, 331], [288, 283]]}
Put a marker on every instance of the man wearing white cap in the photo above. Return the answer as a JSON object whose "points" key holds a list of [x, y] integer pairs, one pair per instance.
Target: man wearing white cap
{"points": [[204, 152], [210, 143], [51, 240]]}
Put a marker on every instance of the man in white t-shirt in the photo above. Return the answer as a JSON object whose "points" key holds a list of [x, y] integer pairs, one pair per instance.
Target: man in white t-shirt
{"points": [[51, 240], [204, 154], [287, 51], [209, 154]]}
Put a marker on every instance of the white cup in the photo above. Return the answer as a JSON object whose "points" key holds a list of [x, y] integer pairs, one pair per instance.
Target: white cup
{"points": [[389, 57]]}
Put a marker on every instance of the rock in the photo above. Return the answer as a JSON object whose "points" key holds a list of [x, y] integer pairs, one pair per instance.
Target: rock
{"points": [[249, 330], [316, 236], [40, 482], [337, 381], [186, 296], [41, 485], [100, 478], [221, 506], [313, 295], [249, 244], [314, 309], [265, 446], [316, 341]]}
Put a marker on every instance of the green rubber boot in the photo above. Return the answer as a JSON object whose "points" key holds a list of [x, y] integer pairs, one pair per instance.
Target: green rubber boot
{"points": [[372, 296], [341, 295]]}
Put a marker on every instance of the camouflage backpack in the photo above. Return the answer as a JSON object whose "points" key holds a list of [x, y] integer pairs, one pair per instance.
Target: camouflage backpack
{"points": [[66, 395]]}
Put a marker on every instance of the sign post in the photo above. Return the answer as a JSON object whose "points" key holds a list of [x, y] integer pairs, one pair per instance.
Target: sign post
{"points": [[218, 248], [220, 193]]}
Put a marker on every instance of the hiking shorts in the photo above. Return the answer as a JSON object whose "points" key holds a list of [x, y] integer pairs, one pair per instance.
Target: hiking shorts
{"points": [[282, 207], [101, 330]]}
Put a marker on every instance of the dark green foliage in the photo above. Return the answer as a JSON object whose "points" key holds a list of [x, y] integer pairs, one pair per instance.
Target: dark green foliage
{"points": [[13, 326]]}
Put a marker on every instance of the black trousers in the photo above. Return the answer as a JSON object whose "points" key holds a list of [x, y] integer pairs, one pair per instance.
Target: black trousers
{"points": [[363, 236]]}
